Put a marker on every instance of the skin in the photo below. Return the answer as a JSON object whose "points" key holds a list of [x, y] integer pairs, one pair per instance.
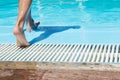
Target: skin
{"points": [[24, 15]]}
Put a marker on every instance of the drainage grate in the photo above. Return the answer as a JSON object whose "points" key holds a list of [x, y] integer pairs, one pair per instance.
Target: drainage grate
{"points": [[83, 53]]}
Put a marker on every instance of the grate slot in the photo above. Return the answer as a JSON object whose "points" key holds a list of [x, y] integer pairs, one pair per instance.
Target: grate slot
{"points": [[86, 54], [51, 53], [75, 53], [26, 53], [37, 52], [103, 53], [57, 54], [32, 53], [95, 54], [99, 54], [70, 54], [3, 48], [82, 53], [18, 56], [116, 54], [62, 53], [44, 52], [112, 54], [9, 53], [66, 53], [40, 53], [90, 53], [78, 53], [107, 54]]}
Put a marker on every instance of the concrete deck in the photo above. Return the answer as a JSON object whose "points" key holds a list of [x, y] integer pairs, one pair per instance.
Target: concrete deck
{"points": [[58, 71]]}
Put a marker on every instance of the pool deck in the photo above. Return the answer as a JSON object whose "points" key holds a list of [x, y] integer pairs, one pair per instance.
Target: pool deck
{"points": [[58, 71]]}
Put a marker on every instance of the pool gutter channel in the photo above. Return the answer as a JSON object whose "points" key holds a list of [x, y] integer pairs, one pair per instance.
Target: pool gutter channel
{"points": [[70, 56]]}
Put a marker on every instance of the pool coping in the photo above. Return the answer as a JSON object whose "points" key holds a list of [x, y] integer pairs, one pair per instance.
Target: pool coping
{"points": [[59, 65]]}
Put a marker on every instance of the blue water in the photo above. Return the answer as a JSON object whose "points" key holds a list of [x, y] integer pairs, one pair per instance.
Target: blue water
{"points": [[65, 21]]}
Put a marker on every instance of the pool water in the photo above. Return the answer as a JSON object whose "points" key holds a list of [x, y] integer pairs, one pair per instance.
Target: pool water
{"points": [[65, 21]]}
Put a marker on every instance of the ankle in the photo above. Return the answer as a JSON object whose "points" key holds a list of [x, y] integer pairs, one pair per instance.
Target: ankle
{"points": [[17, 30]]}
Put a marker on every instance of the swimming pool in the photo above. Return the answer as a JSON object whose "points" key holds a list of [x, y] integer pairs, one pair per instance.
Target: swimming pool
{"points": [[66, 21]]}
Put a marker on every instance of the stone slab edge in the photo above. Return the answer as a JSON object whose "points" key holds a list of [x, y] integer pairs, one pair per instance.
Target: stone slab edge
{"points": [[60, 65]]}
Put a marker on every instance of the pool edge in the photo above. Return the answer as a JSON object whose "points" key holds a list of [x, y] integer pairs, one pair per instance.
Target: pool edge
{"points": [[60, 65]]}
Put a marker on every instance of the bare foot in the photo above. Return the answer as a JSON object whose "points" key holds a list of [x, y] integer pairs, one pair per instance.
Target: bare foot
{"points": [[31, 25], [20, 38]]}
